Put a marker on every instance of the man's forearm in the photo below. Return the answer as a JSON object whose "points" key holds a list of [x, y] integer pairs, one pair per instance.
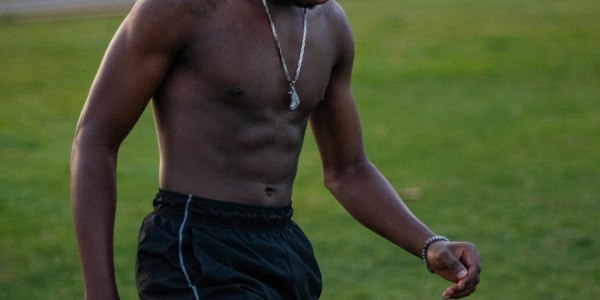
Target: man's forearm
{"points": [[93, 194], [369, 198]]}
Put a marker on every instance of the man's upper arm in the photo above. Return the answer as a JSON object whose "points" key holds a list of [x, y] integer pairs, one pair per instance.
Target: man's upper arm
{"points": [[137, 59], [335, 122]]}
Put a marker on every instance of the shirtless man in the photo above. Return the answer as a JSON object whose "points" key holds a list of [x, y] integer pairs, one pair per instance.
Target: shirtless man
{"points": [[228, 130]]}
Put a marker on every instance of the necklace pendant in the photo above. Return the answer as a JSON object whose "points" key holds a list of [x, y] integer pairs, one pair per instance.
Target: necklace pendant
{"points": [[294, 98]]}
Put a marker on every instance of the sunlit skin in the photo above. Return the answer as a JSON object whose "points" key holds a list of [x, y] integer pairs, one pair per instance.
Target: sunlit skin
{"points": [[213, 75]]}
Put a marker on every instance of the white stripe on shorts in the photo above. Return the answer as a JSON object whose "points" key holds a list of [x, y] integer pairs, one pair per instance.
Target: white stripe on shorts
{"points": [[183, 268]]}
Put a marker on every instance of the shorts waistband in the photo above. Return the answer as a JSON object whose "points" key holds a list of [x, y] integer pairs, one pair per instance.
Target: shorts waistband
{"points": [[222, 212]]}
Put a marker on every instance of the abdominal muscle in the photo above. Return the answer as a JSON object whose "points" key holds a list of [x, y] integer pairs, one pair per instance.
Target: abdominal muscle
{"points": [[232, 155], [222, 112]]}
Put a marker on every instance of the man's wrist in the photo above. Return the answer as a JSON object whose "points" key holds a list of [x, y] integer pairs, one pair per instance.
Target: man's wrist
{"points": [[431, 240]]}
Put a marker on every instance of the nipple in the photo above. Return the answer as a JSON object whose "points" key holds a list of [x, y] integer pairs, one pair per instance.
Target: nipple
{"points": [[236, 91]]}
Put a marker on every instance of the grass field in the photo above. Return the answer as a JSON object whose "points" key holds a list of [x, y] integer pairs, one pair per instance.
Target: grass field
{"points": [[484, 114]]}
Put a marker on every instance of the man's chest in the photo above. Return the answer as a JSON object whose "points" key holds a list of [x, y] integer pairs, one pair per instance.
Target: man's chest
{"points": [[245, 59]]}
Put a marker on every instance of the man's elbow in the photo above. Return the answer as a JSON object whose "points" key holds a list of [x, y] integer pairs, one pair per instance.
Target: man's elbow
{"points": [[335, 178], [95, 139], [330, 180], [91, 145]]}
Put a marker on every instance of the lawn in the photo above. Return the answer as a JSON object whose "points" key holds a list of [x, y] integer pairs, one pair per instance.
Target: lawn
{"points": [[485, 115]]}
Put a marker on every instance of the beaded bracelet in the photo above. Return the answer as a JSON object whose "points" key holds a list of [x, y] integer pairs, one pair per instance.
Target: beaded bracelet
{"points": [[428, 243]]}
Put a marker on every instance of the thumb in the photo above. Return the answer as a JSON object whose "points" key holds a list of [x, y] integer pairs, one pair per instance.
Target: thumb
{"points": [[454, 264]]}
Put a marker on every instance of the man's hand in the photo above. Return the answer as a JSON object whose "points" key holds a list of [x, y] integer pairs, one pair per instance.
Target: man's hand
{"points": [[458, 262]]}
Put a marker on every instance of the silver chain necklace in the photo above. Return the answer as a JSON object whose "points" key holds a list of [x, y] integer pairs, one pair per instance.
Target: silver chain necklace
{"points": [[294, 98]]}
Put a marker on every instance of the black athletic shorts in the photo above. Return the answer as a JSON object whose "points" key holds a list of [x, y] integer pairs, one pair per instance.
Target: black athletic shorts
{"points": [[194, 248]]}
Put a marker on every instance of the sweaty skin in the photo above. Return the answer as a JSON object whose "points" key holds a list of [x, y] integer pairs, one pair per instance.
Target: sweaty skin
{"points": [[220, 100]]}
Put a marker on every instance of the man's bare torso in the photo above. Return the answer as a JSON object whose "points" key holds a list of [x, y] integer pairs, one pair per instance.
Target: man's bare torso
{"points": [[224, 124]]}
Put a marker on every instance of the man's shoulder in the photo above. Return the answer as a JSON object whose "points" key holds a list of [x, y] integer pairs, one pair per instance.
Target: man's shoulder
{"points": [[339, 25], [168, 21], [173, 10], [336, 19], [335, 12]]}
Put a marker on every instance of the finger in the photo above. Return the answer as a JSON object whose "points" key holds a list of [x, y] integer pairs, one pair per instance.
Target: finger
{"points": [[457, 267], [447, 293], [473, 275], [456, 294], [464, 288], [469, 259], [469, 281], [472, 262]]}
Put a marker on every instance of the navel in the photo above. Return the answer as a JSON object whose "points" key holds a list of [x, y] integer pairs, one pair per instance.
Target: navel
{"points": [[269, 191]]}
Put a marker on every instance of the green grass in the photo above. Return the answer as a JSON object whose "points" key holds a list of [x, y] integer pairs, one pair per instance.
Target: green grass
{"points": [[485, 116]]}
